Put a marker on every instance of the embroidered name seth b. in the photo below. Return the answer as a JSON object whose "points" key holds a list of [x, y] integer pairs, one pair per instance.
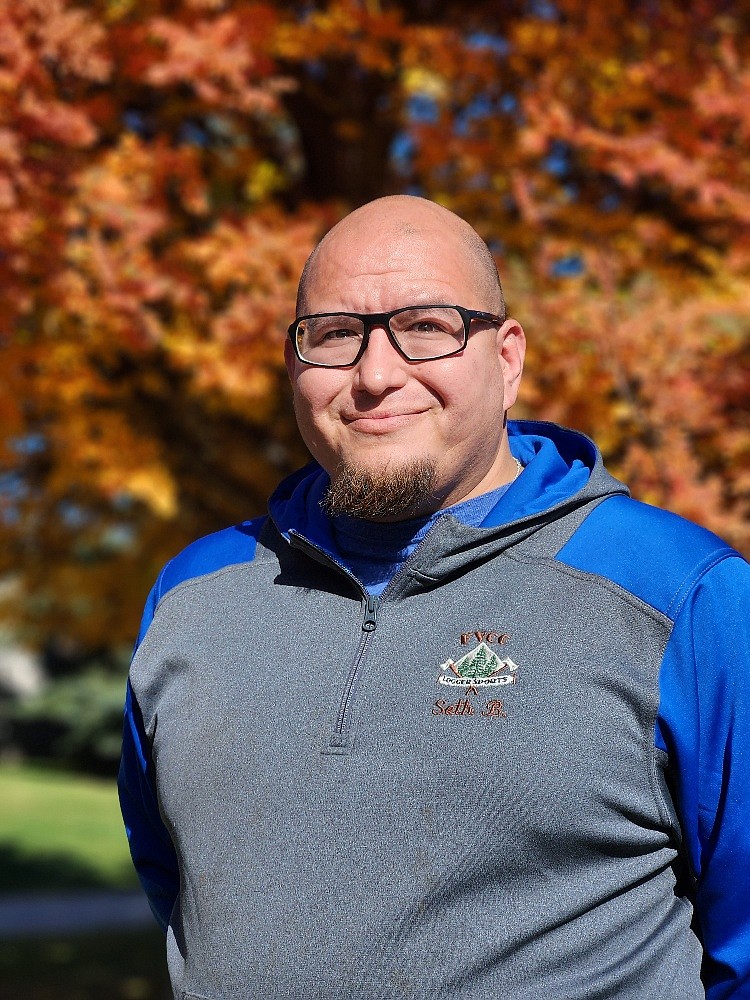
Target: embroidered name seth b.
{"points": [[492, 710]]}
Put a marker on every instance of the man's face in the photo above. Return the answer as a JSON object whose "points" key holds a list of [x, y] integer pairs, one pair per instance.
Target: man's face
{"points": [[388, 413]]}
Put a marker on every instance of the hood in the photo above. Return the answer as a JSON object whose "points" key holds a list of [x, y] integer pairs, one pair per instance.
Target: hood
{"points": [[563, 468]]}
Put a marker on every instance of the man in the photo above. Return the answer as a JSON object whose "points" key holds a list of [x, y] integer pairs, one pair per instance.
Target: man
{"points": [[459, 718]]}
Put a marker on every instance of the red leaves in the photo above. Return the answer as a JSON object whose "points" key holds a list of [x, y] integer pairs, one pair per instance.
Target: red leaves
{"points": [[219, 58]]}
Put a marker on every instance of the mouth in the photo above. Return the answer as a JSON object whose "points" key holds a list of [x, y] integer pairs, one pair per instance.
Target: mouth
{"points": [[376, 422]]}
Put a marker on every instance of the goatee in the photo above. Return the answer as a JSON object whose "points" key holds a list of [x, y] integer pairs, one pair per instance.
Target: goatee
{"points": [[392, 493]]}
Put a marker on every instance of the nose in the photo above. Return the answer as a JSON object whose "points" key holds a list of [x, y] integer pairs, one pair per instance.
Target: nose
{"points": [[381, 367]]}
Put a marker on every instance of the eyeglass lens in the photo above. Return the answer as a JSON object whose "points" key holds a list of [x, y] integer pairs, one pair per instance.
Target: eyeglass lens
{"points": [[421, 333]]}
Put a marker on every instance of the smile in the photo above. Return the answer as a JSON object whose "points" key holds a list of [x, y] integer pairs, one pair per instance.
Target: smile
{"points": [[381, 423]]}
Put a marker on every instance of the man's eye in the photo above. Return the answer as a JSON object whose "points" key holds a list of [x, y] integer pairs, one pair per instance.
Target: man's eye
{"points": [[325, 335], [427, 323], [339, 333], [426, 328]]}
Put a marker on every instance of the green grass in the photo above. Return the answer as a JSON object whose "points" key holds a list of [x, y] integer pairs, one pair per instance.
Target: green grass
{"points": [[60, 831]]}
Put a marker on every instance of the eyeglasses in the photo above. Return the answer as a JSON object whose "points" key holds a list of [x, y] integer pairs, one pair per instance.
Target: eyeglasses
{"points": [[419, 333]]}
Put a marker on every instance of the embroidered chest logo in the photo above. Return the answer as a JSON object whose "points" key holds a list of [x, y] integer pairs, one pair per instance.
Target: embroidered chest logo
{"points": [[479, 670]]}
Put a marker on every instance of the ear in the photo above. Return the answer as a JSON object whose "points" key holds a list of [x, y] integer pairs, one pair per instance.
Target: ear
{"points": [[511, 346], [290, 359]]}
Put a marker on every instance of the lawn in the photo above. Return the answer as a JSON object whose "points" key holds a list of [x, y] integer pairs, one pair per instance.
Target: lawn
{"points": [[60, 831]]}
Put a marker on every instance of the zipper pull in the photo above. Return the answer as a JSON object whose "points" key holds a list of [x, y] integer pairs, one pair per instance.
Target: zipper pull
{"points": [[371, 614]]}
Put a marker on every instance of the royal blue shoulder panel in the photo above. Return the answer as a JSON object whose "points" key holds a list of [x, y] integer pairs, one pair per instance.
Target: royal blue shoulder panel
{"points": [[653, 554], [227, 547], [223, 548]]}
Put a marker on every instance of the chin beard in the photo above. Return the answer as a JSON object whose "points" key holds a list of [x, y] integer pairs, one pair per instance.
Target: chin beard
{"points": [[387, 494]]}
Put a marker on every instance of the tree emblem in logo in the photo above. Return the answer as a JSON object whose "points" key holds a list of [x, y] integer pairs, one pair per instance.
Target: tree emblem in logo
{"points": [[481, 667]]}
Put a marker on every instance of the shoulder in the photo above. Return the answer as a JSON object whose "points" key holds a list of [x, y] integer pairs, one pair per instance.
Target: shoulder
{"points": [[652, 553], [227, 547]]}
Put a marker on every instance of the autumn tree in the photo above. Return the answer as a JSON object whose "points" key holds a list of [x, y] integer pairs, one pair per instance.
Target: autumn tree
{"points": [[165, 167], [149, 272]]}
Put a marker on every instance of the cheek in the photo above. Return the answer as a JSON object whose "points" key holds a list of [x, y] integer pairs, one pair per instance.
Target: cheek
{"points": [[473, 397], [316, 396], [464, 382], [313, 390]]}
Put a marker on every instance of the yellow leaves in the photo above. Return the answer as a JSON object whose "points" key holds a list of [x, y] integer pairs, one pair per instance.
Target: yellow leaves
{"points": [[289, 42], [90, 442], [265, 179], [250, 270], [342, 29], [611, 70], [90, 438], [117, 10], [535, 36], [154, 487], [417, 80], [122, 193], [342, 18]]}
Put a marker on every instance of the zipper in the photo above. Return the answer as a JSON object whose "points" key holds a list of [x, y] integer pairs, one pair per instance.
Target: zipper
{"points": [[371, 613], [339, 739], [340, 735]]}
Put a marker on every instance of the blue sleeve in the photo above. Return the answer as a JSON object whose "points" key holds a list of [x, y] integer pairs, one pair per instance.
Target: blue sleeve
{"points": [[703, 587], [151, 846], [704, 725]]}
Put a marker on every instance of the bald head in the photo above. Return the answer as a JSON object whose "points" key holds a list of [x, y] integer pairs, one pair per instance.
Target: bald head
{"points": [[406, 220]]}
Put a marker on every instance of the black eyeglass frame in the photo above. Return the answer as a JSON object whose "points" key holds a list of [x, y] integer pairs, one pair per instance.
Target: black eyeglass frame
{"points": [[370, 320]]}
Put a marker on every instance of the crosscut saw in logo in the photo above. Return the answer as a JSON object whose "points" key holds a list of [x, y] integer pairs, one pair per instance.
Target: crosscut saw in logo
{"points": [[481, 667]]}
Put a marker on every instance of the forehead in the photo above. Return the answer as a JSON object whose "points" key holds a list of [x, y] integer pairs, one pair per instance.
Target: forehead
{"points": [[392, 266]]}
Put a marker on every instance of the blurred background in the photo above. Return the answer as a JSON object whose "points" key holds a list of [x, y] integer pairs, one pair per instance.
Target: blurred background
{"points": [[165, 168]]}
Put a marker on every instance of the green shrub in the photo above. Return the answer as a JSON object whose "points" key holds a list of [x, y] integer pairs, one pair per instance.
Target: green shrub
{"points": [[76, 721]]}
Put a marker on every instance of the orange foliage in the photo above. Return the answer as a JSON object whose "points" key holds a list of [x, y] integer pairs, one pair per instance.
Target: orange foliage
{"points": [[166, 166]]}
